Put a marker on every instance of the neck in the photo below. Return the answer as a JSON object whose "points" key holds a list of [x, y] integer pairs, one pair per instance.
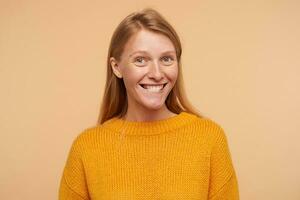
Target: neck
{"points": [[140, 115], [155, 127]]}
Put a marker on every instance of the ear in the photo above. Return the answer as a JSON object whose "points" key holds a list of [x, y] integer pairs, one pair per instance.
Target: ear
{"points": [[115, 67]]}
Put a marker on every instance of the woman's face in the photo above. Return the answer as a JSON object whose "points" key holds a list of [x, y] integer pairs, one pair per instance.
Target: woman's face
{"points": [[149, 69]]}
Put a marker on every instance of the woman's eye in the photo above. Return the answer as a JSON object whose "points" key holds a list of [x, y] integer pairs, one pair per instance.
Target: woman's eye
{"points": [[140, 60], [168, 59]]}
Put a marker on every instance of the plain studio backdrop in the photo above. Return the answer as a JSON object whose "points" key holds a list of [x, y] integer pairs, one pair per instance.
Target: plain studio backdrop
{"points": [[241, 64]]}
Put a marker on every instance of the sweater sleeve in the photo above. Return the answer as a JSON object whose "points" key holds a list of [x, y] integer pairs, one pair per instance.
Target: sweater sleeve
{"points": [[73, 184], [223, 183]]}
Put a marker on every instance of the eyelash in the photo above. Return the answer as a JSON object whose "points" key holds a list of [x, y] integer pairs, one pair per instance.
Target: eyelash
{"points": [[172, 59]]}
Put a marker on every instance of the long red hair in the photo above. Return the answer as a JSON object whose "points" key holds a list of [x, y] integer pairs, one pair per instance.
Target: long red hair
{"points": [[114, 102]]}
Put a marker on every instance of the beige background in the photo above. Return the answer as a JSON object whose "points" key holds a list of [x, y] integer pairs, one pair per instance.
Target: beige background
{"points": [[241, 68]]}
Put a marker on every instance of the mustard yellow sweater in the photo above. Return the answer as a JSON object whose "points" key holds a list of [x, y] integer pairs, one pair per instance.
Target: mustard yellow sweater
{"points": [[183, 157]]}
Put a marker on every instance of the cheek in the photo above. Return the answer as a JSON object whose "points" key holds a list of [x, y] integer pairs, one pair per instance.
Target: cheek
{"points": [[173, 74], [132, 76]]}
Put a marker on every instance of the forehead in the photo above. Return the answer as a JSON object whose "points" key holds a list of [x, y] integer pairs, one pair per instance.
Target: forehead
{"points": [[151, 42]]}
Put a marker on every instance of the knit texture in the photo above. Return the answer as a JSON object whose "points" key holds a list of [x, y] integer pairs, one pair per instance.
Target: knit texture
{"points": [[182, 157]]}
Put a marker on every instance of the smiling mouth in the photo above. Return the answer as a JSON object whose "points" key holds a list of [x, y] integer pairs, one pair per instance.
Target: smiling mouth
{"points": [[153, 88]]}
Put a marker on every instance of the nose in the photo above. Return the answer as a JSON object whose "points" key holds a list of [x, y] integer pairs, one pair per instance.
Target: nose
{"points": [[155, 71]]}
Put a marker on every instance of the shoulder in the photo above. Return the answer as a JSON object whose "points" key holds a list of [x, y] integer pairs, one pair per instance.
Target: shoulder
{"points": [[210, 128], [206, 123], [87, 137]]}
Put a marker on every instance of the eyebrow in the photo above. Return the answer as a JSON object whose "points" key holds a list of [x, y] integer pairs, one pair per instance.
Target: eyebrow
{"points": [[147, 52]]}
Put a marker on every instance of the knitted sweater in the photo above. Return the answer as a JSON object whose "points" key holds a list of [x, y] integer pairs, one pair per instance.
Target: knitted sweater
{"points": [[183, 157]]}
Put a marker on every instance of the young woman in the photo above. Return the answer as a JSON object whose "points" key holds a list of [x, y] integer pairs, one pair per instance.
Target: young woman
{"points": [[149, 143]]}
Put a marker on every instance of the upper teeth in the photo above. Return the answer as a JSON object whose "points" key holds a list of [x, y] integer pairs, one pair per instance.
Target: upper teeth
{"points": [[153, 88]]}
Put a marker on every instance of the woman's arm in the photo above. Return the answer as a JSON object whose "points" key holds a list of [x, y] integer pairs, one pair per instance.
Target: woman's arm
{"points": [[223, 181], [73, 181]]}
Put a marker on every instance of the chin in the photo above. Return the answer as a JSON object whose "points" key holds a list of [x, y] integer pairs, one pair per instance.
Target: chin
{"points": [[153, 105]]}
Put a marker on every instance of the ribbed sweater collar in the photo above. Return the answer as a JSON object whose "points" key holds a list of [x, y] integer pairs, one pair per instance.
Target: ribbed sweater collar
{"points": [[149, 127]]}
